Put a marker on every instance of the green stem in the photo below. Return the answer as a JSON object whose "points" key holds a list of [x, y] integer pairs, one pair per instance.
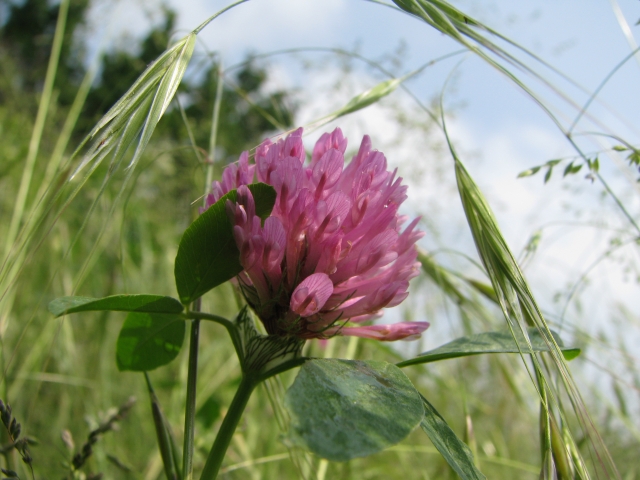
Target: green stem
{"points": [[214, 130], [231, 328], [190, 408], [228, 427], [213, 17], [618, 202]]}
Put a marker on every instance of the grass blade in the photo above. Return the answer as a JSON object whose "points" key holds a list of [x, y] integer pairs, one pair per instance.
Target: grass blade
{"points": [[364, 99], [36, 136], [455, 451], [521, 311], [158, 82]]}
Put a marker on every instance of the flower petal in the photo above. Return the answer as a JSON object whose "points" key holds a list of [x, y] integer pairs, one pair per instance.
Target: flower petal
{"points": [[311, 295], [385, 333]]}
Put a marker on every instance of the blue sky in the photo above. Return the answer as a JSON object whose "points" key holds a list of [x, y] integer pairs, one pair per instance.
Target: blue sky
{"points": [[581, 38]]}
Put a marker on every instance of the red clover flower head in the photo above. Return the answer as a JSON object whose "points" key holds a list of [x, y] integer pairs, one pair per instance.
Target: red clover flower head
{"points": [[333, 250]]}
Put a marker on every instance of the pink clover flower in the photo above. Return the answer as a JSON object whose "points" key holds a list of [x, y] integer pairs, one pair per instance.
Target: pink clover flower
{"points": [[333, 250]]}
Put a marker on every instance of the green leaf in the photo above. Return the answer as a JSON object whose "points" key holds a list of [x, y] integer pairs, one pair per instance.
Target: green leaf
{"points": [[619, 148], [342, 409], [265, 198], [568, 169], [149, 340], [454, 450], [529, 172], [547, 176], [491, 342], [207, 254], [571, 169], [116, 303]]}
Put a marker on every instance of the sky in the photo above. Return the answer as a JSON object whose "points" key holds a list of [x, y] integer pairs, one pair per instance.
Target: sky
{"points": [[497, 128]]}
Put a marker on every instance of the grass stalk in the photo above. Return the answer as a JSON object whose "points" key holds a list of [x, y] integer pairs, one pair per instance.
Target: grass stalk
{"points": [[36, 135], [214, 130]]}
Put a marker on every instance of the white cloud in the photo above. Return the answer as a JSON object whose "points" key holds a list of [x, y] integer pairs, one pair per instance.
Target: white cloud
{"points": [[258, 25]]}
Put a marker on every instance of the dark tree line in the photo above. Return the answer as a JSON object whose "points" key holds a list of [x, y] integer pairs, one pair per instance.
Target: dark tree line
{"points": [[26, 34]]}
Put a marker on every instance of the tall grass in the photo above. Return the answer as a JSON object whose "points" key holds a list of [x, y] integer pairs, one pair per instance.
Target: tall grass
{"points": [[106, 217]]}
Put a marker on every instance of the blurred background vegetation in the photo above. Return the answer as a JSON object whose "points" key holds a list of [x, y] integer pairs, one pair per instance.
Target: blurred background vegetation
{"points": [[121, 237]]}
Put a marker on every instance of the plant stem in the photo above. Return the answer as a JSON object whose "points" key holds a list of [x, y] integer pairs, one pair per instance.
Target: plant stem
{"points": [[214, 130], [233, 331], [190, 408], [38, 128], [228, 427], [618, 202]]}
